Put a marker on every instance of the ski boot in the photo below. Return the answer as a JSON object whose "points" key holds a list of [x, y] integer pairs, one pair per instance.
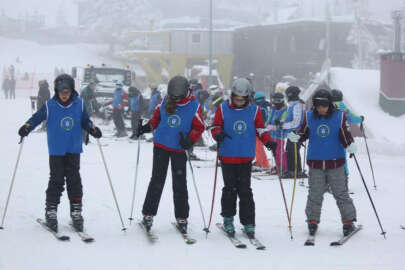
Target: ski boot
{"points": [[229, 228], [182, 225], [147, 222], [76, 215], [348, 227], [312, 227], [51, 216], [249, 230]]}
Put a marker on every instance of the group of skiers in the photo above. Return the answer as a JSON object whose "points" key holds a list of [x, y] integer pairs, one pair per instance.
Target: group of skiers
{"points": [[178, 122]]}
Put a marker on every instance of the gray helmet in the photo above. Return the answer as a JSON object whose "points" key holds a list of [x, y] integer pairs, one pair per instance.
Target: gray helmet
{"points": [[178, 87], [242, 87]]}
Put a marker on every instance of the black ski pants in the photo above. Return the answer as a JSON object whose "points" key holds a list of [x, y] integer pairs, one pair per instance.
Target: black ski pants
{"points": [[237, 183], [290, 152], [160, 165], [118, 120], [135, 116], [64, 168]]}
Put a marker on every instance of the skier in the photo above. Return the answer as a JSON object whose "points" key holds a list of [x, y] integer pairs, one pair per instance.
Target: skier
{"points": [[293, 121], [11, 94], [135, 106], [236, 124], [179, 114], [118, 104], [65, 117], [6, 86], [154, 99], [89, 98], [328, 134], [43, 95]]}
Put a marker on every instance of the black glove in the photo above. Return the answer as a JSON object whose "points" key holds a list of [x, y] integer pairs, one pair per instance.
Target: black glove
{"points": [[24, 130], [272, 146], [95, 132], [362, 118], [143, 128], [277, 122], [220, 136], [185, 141]]}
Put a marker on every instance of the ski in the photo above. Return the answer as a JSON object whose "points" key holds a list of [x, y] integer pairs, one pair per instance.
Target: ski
{"points": [[85, 237], [344, 239], [187, 239], [255, 242], [149, 234], [57, 235], [310, 241], [235, 241]]}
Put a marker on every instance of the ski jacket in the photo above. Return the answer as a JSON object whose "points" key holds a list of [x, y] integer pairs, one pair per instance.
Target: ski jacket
{"points": [[135, 103], [295, 116], [155, 98], [279, 115], [242, 125], [120, 99], [351, 117]]}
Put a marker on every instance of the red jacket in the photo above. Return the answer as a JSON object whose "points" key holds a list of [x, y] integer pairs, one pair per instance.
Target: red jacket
{"points": [[197, 125], [218, 125]]}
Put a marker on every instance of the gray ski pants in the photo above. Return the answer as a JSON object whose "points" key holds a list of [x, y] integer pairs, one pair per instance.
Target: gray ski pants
{"points": [[336, 179]]}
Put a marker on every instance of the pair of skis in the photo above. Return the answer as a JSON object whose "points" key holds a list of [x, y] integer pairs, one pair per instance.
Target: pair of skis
{"points": [[311, 238], [238, 243], [61, 237], [152, 237]]}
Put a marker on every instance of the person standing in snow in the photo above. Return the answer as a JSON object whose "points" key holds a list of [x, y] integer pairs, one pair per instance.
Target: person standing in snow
{"points": [[43, 96], [65, 118], [6, 86], [327, 130], [135, 106], [154, 100], [88, 95], [293, 121], [236, 124], [178, 124], [118, 104]]}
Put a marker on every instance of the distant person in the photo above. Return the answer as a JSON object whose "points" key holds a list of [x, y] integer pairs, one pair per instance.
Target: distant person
{"points": [[43, 95], [6, 86], [154, 100], [88, 95], [12, 88], [135, 106], [118, 104]]}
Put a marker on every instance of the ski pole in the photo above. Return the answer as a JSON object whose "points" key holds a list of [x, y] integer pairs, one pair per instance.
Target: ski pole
{"points": [[304, 162], [368, 153], [213, 192], [21, 143], [369, 196], [110, 182], [295, 180], [135, 180]]}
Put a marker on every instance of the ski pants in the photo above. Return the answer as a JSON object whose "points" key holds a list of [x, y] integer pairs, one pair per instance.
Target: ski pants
{"points": [[237, 183], [280, 153], [291, 157], [118, 120], [64, 168], [160, 165], [12, 93], [336, 179], [135, 116]]}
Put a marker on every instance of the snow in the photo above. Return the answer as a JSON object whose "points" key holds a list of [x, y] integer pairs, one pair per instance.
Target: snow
{"points": [[25, 245]]}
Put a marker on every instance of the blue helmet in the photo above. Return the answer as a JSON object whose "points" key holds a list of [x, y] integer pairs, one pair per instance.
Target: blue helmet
{"points": [[259, 97]]}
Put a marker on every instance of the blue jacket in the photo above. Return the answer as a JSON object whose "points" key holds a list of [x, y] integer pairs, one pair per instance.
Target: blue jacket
{"points": [[295, 116], [277, 115], [134, 103], [351, 117], [154, 100], [64, 125], [118, 98]]}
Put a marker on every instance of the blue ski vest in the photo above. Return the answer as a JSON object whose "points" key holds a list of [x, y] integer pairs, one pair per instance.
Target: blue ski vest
{"points": [[277, 115], [117, 98], [324, 142], [64, 127], [135, 104], [240, 126], [167, 132]]}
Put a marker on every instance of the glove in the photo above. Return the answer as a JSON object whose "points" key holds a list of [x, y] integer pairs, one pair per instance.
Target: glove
{"points": [[293, 137], [278, 122], [271, 127], [220, 136], [362, 118], [352, 148], [185, 141], [272, 146], [24, 130], [95, 132], [143, 128]]}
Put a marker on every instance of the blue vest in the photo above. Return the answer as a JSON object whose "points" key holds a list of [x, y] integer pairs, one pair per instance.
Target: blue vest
{"points": [[277, 115], [290, 116], [64, 127], [324, 142], [117, 98], [240, 126], [134, 103], [167, 132]]}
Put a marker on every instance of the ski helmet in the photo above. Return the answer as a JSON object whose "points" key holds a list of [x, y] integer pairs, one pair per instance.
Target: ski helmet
{"points": [[178, 87], [64, 81], [259, 97], [277, 98], [322, 97], [292, 93], [193, 83], [337, 95], [241, 87]]}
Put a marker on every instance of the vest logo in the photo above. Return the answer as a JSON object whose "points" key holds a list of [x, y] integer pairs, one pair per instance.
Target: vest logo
{"points": [[174, 121], [323, 131], [239, 127], [67, 123]]}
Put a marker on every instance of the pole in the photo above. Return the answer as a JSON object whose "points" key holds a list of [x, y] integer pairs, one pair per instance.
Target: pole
{"points": [[295, 180], [368, 154], [12, 182], [215, 187], [135, 180], [111, 185]]}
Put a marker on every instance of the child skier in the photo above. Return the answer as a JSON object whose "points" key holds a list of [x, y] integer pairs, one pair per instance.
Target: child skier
{"points": [[65, 117], [179, 114], [236, 124], [328, 135]]}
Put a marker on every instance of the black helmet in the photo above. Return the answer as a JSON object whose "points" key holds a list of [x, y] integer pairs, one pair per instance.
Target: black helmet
{"points": [[132, 90], [292, 93], [178, 87], [337, 95], [321, 97], [277, 98], [64, 81]]}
